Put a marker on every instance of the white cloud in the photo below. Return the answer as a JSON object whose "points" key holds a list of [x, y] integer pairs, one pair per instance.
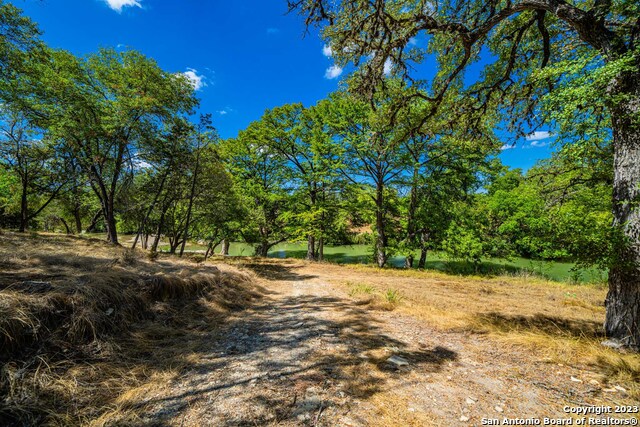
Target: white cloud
{"points": [[333, 72], [197, 81], [537, 143], [507, 147], [326, 51], [388, 66], [539, 135], [117, 5], [226, 110], [413, 41]]}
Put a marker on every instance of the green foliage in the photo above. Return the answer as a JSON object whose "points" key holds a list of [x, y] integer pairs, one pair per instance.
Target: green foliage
{"points": [[464, 244], [540, 216], [356, 289], [19, 46], [392, 296], [410, 168]]}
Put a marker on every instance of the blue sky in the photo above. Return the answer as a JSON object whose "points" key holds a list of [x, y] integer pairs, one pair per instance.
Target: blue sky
{"points": [[245, 56]]}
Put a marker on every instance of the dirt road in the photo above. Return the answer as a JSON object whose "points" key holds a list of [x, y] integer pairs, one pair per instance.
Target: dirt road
{"points": [[308, 354]]}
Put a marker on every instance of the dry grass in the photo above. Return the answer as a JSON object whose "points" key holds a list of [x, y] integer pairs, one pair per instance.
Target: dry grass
{"points": [[394, 410], [562, 323], [366, 294], [87, 330]]}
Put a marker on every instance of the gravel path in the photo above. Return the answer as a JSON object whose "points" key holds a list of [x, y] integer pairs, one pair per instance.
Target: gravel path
{"points": [[308, 355]]}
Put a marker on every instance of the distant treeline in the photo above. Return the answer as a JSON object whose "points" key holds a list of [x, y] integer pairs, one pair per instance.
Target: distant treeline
{"points": [[108, 143]]}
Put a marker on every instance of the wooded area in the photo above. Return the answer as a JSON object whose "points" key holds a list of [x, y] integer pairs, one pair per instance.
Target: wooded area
{"points": [[108, 143]]}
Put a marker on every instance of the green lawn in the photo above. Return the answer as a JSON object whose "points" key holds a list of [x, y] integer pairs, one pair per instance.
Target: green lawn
{"points": [[362, 254]]}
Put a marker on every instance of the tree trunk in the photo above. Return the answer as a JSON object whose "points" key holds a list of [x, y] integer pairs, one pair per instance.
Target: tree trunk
{"points": [[150, 209], [94, 221], [66, 226], [408, 261], [187, 222], [320, 255], [174, 243], [156, 238], [411, 221], [381, 238], [424, 238], [106, 202], [423, 258], [110, 222], [311, 248], [163, 213], [623, 299], [78, 219], [263, 249], [224, 250], [24, 207]]}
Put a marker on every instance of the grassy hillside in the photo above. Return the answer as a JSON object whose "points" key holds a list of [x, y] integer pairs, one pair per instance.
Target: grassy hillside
{"points": [[86, 327]]}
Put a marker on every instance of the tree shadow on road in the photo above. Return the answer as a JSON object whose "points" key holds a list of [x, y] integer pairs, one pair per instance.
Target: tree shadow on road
{"points": [[280, 270], [198, 358], [301, 364]]}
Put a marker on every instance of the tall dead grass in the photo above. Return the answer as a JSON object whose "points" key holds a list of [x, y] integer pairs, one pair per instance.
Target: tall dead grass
{"points": [[86, 328]]}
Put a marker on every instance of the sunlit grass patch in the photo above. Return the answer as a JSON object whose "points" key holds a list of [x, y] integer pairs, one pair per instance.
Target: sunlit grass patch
{"points": [[392, 296], [357, 289], [365, 293]]}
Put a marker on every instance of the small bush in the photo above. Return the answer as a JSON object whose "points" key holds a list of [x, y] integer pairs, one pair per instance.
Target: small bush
{"points": [[360, 288], [392, 296]]}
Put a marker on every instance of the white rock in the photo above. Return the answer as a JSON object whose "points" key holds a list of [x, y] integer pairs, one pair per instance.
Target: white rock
{"points": [[612, 343], [498, 409], [470, 401], [398, 361], [620, 388], [464, 419], [304, 417], [575, 380]]}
